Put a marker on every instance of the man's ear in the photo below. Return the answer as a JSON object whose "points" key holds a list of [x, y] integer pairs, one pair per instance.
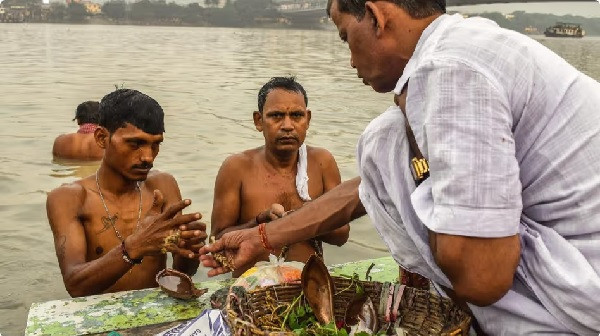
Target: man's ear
{"points": [[257, 116], [377, 16], [102, 136], [308, 116]]}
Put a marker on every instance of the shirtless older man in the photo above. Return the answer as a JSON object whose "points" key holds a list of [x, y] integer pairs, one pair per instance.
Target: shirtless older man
{"points": [[112, 229], [284, 171], [81, 145]]}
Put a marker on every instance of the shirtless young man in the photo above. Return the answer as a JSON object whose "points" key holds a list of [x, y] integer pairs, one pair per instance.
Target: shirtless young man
{"points": [[112, 229], [80, 145], [283, 171]]}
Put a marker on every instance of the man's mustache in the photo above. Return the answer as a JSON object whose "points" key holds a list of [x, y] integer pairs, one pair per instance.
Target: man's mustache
{"points": [[289, 136], [143, 166]]}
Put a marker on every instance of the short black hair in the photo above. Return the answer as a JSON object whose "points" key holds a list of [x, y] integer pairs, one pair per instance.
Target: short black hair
{"points": [[285, 83], [131, 106], [417, 9], [87, 113]]}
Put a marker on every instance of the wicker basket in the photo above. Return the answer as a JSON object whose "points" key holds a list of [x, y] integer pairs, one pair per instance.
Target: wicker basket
{"points": [[420, 312]]}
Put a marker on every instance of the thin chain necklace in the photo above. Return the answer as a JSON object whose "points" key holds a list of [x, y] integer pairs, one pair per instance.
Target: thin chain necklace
{"points": [[110, 220]]}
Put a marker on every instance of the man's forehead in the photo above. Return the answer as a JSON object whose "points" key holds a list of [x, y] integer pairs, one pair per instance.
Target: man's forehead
{"points": [[131, 131], [279, 96]]}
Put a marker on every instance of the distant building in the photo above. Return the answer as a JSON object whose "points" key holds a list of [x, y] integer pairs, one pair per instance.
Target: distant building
{"points": [[92, 8], [213, 3], [509, 17], [531, 30]]}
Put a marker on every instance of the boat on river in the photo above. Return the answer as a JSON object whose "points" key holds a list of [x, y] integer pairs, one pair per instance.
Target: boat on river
{"points": [[563, 29]]}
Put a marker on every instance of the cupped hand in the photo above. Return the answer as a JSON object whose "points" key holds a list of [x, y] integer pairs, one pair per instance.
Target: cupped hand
{"points": [[243, 247], [192, 238]]}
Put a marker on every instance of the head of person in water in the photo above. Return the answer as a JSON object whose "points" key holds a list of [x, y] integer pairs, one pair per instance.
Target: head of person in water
{"points": [[87, 113], [382, 35], [131, 128], [282, 116]]}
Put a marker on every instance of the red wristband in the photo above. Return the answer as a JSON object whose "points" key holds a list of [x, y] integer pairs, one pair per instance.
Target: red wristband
{"points": [[263, 238]]}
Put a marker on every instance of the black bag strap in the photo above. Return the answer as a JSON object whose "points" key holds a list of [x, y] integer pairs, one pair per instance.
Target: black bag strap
{"points": [[418, 163]]}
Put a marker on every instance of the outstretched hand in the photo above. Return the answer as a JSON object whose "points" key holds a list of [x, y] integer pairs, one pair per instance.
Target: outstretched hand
{"points": [[243, 247]]}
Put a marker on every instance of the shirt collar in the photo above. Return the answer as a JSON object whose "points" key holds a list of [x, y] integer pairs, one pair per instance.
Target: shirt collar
{"points": [[427, 42]]}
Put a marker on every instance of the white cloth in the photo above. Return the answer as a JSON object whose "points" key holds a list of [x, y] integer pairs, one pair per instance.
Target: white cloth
{"points": [[302, 174], [512, 135], [210, 322]]}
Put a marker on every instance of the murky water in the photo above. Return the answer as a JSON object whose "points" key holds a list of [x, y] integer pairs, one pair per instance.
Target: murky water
{"points": [[206, 80]]}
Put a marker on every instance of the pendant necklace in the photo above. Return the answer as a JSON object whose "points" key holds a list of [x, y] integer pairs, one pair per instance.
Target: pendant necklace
{"points": [[109, 220]]}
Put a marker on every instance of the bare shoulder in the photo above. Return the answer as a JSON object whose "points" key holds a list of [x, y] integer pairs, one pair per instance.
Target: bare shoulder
{"points": [[320, 155], [60, 142], [159, 179], [68, 195], [238, 163]]}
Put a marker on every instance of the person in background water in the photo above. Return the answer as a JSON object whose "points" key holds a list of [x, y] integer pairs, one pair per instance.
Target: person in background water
{"points": [[279, 176], [484, 176], [80, 145], [112, 230]]}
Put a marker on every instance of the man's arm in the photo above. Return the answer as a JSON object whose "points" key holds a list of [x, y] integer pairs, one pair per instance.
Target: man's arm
{"points": [[466, 261], [80, 277], [226, 201], [474, 178], [331, 179], [325, 214]]}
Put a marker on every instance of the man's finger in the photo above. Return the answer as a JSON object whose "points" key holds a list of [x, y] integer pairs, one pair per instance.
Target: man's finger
{"points": [[198, 234], [158, 203], [193, 226], [277, 209], [180, 251], [174, 209], [179, 220], [217, 271], [214, 247]]}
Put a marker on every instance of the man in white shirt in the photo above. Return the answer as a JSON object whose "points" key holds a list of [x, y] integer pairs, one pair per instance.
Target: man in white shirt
{"points": [[509, 217]]}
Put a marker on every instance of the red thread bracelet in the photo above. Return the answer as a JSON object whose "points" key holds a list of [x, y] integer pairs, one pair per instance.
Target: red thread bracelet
{"points": [[263, 238]]}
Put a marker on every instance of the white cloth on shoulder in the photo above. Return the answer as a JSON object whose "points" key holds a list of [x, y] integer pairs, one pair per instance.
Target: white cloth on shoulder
{"points": [[302, 174]]}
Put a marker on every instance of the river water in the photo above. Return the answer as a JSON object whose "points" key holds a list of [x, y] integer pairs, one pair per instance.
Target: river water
{"points": [[206, 79]]}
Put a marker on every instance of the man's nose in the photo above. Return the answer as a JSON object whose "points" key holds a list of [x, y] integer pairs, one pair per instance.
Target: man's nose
{"points": [[147, 154], [287, 124]]}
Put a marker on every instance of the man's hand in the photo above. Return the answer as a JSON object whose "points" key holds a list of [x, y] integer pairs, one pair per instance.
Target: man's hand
{"points": [[274, 212], [158, 231], [243, 247], [192, 238]]}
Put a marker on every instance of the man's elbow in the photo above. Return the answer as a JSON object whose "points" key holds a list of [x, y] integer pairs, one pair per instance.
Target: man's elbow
{"points": [[483, 294], [481, 269], [339, 237], [74, 290]]}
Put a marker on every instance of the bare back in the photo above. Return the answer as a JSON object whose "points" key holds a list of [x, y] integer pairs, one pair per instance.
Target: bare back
{"points": [[77, 146], [246, 186]]}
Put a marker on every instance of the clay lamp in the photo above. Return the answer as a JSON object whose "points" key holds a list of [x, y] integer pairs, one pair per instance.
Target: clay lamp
{"points": [[178, 285]]}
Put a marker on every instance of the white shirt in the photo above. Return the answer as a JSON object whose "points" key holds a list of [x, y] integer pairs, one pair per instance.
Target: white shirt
{"points": [[511, 132]]}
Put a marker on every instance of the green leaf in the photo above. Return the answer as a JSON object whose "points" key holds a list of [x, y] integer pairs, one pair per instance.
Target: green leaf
{"points": [[301, 310]]}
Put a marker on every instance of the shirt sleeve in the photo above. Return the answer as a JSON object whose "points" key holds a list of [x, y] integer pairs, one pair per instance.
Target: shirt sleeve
{"points": [[467, 128]]}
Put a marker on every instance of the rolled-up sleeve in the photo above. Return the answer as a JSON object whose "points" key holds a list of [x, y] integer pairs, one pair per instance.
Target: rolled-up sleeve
{"points": [[467, 129]]}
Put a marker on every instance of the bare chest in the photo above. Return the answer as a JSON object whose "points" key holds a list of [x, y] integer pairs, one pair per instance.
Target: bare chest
{"points": [[106, 229], [261, 189]]}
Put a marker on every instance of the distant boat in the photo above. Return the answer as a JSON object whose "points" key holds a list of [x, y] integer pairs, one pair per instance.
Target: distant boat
{"points": [[562, 29]]}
